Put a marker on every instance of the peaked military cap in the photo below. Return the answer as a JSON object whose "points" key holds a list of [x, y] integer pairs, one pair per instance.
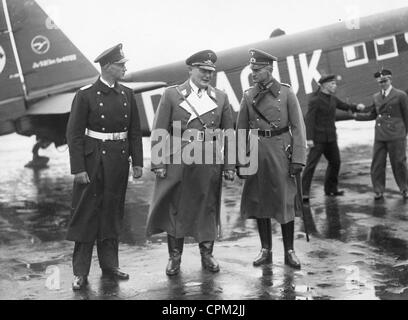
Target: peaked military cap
{"points": [[384, 73], [327, 78], [203, 59], [260, 59], [111, 55]]}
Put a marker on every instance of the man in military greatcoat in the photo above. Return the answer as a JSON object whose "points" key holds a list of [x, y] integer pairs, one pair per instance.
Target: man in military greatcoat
{"points": [[103, 133], [390, 112], [272, 109], [186, 197]]}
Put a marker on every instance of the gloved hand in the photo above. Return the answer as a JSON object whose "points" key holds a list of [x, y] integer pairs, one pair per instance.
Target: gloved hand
{"points": [[295, 168], [81, 178], [229, 175], [161, 173], [137, 172]]}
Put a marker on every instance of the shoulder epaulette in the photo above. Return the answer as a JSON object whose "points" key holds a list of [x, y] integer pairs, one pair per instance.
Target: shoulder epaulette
{"points": [[86, 87], [285, 84]]}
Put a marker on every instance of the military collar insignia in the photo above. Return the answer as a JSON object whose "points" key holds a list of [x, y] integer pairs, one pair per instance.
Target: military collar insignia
{"points": [[105, 89], [274, 86], [211, 93]]}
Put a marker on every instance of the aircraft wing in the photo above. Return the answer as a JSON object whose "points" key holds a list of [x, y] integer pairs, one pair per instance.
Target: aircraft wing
{"points": [[138, 87], [56, 104], [61, 103]]}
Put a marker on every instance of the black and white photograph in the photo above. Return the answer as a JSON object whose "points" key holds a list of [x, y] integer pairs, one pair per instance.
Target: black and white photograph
{"points": [[220, 151]]}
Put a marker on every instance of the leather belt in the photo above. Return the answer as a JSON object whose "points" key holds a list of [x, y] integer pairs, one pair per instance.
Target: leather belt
{"points": [[272, 133], [201, 136], [106, 136]]}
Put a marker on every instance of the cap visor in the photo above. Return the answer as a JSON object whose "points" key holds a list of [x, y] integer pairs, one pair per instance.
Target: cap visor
{"points": [[207, 68], [257, 66], [122, 60]]}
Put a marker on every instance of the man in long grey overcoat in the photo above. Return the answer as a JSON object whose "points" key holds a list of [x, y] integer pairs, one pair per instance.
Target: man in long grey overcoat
{"points": [[186, 197], [271, 108]]}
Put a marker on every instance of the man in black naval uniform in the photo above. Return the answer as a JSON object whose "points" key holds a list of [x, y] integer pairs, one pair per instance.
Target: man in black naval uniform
{"points": [[321, 135], [103, 132]]}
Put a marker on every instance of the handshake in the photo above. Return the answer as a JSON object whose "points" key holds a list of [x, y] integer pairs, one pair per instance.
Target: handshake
{"points": [[360, 108]]}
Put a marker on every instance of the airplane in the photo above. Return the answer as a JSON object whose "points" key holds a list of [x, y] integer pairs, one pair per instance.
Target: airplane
{"points": [[40, 68]]}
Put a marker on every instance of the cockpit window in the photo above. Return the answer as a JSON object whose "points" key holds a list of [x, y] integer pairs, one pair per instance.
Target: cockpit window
{"points": [[355, 55], [385, 48]]}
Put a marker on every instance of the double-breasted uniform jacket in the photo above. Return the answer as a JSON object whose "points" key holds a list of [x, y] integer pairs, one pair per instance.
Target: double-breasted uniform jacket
{"points": [[98, 207], [321, 117], [187, 201], [270, 193], [391, 115]]}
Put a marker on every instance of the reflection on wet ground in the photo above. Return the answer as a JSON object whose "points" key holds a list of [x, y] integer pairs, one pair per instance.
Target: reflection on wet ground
{"points": [[358, 247]]}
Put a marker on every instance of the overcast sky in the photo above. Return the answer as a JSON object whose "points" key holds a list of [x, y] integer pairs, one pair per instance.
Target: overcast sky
{"points": [[154, 32]]}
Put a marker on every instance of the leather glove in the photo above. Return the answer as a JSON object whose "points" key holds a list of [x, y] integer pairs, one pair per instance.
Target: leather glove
{"points": [[295, 168], [137, 172], [81, 178], [229, 175], [160, 173]]}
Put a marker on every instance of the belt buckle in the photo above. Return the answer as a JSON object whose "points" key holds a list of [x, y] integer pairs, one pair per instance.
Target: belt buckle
{"points": [[268, 133], [116, 135], [200, 136]]}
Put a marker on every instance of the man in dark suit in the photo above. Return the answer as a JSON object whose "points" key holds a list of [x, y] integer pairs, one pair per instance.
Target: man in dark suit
{"points": [[390, 110], [187, 194], [321, 135], [103, 131]]}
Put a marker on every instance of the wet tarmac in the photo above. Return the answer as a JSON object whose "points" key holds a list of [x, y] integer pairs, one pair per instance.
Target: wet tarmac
{"points": [[358, 247]]}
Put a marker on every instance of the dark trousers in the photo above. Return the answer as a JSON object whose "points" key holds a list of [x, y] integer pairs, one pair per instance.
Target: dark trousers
{"points": [[331, 152], [107, 256], [398, 159]]}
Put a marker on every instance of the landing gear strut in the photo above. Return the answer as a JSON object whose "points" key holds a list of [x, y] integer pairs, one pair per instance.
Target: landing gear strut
{"points": [[39, 162]]}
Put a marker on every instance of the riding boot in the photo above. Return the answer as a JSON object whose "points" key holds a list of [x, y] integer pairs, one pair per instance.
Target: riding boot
{"points": [[175, 251], [207, 260], [265, 234], [288, 231]]}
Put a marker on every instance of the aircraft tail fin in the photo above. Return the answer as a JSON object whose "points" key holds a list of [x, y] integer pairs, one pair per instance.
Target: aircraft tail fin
{"points": [[49, 61]]}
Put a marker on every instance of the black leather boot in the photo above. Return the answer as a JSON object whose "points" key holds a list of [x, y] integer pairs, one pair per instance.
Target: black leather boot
{"points": [[207, 260], [288, 231], [265, 234], [175, 251]]}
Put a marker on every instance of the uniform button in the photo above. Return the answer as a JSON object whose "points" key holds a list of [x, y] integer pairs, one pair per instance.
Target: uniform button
{"points": [[123, 92], [103, 151], [103, 129], [279, 100], [379, 124], [379, 116], [212, 122], [257, 119], [102, 116], [125, 104], [125, 115], [101, 104], [123, 151], [253, 101], [125, 128], [98, 92], [213, 112]]}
